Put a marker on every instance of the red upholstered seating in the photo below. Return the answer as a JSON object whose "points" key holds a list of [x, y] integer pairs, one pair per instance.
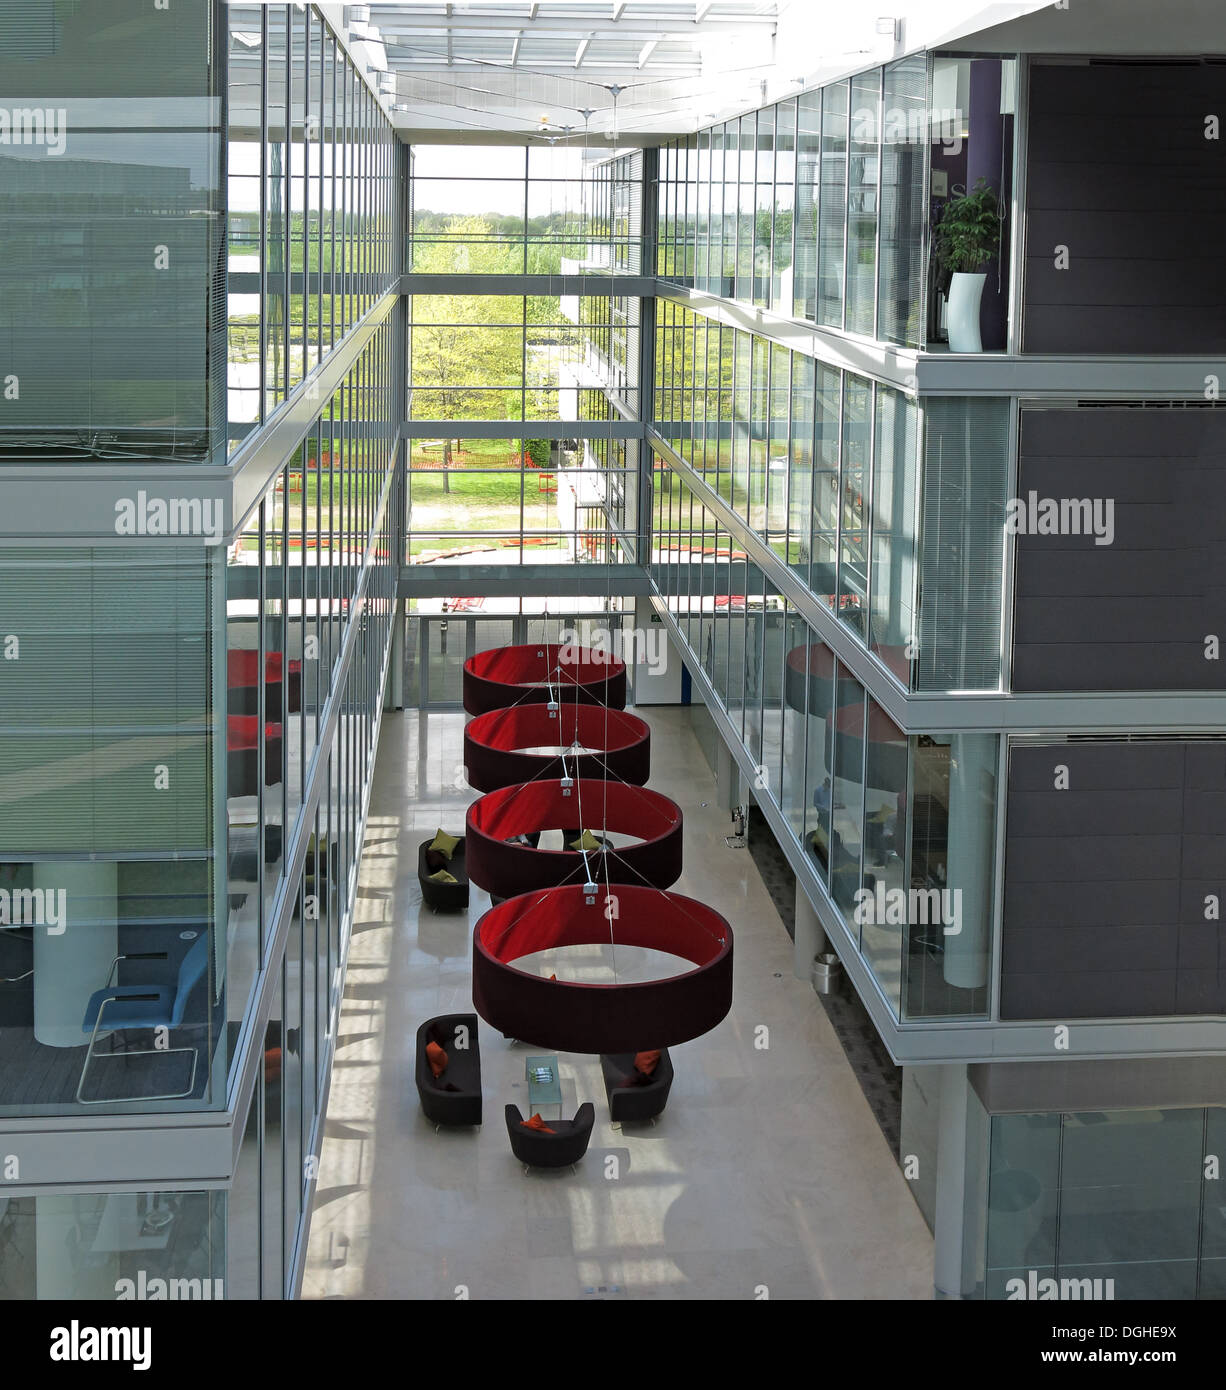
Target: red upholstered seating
{"points": [[241, 679], [243, 754]]}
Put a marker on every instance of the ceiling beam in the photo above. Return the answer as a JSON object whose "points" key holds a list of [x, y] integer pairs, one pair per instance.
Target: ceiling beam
{"points": [[646, 51], [628, 27], [584, 45], [519, 38], [701, 10], [469, 69], [618, 7]]}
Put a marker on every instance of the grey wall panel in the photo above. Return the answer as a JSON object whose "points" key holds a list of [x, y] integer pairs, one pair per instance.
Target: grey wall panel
{"points": [[1105, 883], [1132, 614], [1113, 148], [1139, 993]]}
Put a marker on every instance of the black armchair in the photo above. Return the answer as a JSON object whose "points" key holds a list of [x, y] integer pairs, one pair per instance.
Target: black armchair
{"points": [[566, 1145], [642, 1100]]}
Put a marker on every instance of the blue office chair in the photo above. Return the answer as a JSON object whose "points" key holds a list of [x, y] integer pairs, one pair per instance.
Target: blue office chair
{"points": [[143, 1006]]}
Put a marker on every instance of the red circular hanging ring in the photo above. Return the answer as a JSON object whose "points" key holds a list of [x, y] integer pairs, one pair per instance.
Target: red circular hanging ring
{"points": [[507, 869], [577, 1017], [531, 742], [519, 675]]}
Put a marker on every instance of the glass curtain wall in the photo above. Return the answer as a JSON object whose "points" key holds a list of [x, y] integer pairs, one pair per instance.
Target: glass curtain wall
{"points": [[784, 208], [484, 368], [1118, 1205], [311, 209], [114, 229], [871, 806]]}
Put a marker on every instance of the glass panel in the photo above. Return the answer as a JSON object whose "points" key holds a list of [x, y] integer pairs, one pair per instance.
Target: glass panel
{"points": [[1130, 1186], [1023, 1200], [115, 346], [952, 854], [827, 429], [863, 178], [782, 290], [800, 466], [243, 1213], [103, 1246], [832, 226], [795, 689], [808, 182], [884, 916], [853, 538], [963, 487], [847, 723], [892, 630], [904, 136]]}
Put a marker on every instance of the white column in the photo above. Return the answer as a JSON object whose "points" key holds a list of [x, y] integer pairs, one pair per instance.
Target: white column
{"points": [[968, 859], [809, 938], [72, 957], [727, 777]]}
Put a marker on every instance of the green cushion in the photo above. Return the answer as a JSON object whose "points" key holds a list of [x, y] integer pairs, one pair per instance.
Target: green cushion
{"points": [[444, 843]]}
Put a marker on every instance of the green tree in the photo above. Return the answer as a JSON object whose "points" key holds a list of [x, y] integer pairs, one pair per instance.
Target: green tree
{"points": [[462, 344]]}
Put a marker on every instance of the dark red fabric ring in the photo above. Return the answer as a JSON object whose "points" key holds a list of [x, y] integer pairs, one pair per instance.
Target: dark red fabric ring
{"points": [[809, 670], [509, 869], [518, 675], [494, 745], [573, 1017]]}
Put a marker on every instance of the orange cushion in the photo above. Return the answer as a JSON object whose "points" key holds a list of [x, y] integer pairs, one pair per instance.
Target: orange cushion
{"points": [[437, 1059], [272, 1064], [537, 1124], [646, 1062]]}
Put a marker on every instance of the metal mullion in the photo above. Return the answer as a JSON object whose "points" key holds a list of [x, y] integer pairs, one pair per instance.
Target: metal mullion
{"points": [[346, 84], [261, 716], [842, 324], [319, 209], [302, 610], [319, 473], [364, 191], [359, 199], [283, 716], [333, 597], [868, 527], [263, 336], [288, 176], [925, 314], [306, 187], [880, 204], [1019, 228]]}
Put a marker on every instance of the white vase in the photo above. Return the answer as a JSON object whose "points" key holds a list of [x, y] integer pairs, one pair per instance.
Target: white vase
{"points": [[965, 296]]}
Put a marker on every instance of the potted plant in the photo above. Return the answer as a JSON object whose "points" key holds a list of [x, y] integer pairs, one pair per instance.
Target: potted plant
{"points": [[967, 238]]}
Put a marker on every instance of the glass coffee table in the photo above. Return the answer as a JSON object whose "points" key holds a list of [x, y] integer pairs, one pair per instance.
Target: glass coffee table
{"points": [[544, 1084]]}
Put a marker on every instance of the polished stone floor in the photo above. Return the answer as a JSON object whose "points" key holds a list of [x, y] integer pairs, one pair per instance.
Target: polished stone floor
{"points": [[766, 1176]]}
